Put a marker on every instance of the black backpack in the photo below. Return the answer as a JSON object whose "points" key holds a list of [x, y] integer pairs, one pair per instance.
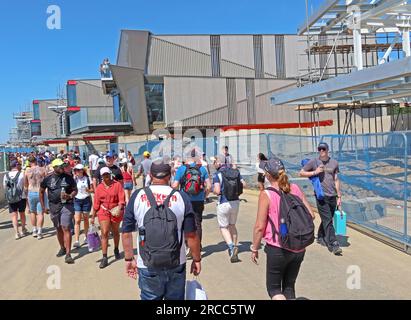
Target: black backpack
{"points": [[298, 220], [233, 186], [13, 193], [161, 247]]}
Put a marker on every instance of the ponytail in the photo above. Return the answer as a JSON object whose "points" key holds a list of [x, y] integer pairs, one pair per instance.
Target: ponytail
{"points": [[283, 182]]}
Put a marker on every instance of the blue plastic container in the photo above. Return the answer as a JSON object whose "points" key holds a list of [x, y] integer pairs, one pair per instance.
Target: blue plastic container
{"points": [[340, 223]]}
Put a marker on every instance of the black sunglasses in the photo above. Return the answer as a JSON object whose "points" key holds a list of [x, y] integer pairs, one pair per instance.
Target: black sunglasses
{"points": [[322, 149]]}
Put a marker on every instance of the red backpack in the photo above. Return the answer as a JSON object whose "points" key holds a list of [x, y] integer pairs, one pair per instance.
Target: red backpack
{"points": [[192, 183]]}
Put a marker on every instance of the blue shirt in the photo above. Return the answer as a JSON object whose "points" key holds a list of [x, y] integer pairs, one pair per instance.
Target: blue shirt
{"points": [[217, 178], [204, 176]]}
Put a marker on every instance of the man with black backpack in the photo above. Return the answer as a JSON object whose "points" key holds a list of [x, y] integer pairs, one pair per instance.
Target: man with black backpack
{"points": [[13, 184], [228, 184], [164, 218], [193, 180]]}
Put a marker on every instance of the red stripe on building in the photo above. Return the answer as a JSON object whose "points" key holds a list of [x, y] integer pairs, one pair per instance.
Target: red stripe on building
{"points": [[35, 121], [56, 141], [99, 138], [72, 82], [72, 109], [325, 123], [36, 102]]}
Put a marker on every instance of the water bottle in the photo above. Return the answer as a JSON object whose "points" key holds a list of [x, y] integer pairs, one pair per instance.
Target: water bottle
{"points": [[283, 228], [142, 236], [63, 192]]}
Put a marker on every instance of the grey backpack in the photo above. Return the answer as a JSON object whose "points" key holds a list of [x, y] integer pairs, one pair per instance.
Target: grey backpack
{"points": [[13, 193], [161, 247]]}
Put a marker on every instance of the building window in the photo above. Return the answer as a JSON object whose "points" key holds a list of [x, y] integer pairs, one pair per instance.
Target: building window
{"points": [[215, 55], [35, 129], [36, 111], [155, 102], [71, 95]]}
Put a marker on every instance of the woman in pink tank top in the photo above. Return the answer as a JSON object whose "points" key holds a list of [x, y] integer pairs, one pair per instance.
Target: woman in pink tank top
{"points": [[283, 265]]}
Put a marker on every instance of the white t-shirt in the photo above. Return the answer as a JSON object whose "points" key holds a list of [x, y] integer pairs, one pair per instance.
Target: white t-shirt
{"points": [[139, 205], [122, 156], [82, 186], [94, 161], [20, 182]]}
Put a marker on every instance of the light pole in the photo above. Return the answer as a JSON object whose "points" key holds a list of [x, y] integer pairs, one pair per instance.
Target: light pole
{"points": [[61, 111]]}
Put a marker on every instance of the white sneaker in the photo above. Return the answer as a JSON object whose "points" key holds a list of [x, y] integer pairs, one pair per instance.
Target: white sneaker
{"points": [[17, 236], [34, 232], [39, 236], [76, 244]]}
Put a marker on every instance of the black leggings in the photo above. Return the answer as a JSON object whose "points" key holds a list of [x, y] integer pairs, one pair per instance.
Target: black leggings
{"points": [[282, 271]]}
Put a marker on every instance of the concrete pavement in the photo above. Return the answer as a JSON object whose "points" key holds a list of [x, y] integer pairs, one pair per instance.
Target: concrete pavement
{"points": [[384, 271]]}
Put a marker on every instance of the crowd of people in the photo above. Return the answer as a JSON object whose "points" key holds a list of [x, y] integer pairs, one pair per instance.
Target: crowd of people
{"points": [[166, 213]]}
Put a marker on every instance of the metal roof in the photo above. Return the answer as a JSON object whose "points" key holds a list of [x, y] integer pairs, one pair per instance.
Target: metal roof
{"points": [[375, 16], [386, 83]]}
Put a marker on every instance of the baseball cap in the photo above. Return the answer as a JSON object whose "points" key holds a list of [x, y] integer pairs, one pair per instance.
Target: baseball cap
{"points": [[58, 163], [109, 155], [273, 166], [79, 167], [160, 169], [323, 145], [146, 154], [105, 170]]}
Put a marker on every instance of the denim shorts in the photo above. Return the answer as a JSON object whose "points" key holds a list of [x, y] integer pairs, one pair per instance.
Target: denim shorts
{"points": [[162, 284], [128, 186], [82, 205], [34, 202]]}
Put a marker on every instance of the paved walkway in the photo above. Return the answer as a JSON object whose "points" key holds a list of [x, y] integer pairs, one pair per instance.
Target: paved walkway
{"points": [[385, 272]]}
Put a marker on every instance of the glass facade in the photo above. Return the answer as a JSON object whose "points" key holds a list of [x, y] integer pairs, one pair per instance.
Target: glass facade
{"points": [[71, 95], [35, 129], [36, 111], [155, 102]]}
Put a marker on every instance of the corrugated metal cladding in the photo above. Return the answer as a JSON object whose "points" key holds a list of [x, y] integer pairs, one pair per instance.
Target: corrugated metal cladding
{"points": [[50, 124], [232, 101], [280, 57], [242, 112], [233, 70], [250, 89], [217, 117], [258, 56], [167, 58], [90, 94], [215, 55], [186, 97]]}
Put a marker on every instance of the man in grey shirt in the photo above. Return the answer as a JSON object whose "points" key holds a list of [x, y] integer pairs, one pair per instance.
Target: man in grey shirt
{"points": [[327, 171], [144, 168]]}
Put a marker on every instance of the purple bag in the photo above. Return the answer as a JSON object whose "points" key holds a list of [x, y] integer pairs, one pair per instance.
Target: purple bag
{"points": [[93, 239]]}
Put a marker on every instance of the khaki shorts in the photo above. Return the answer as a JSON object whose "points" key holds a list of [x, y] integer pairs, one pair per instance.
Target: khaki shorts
{"points": [[227, 213]]}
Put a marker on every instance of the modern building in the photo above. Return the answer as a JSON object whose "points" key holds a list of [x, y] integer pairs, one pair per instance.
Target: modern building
{"points": [[219, 81], [92, 111]]}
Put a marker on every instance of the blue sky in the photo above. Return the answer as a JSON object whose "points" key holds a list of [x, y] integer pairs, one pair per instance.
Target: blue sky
{"points": [[36, 60]]}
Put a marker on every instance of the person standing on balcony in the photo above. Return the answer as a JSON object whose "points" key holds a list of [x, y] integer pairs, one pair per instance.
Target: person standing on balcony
{"points": [[327, 170]]}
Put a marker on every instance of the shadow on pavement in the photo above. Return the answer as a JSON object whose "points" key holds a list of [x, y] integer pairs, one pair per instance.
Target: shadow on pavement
{"points": [[343, 241], [209, 216], [243, 246], [6, 225]]}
